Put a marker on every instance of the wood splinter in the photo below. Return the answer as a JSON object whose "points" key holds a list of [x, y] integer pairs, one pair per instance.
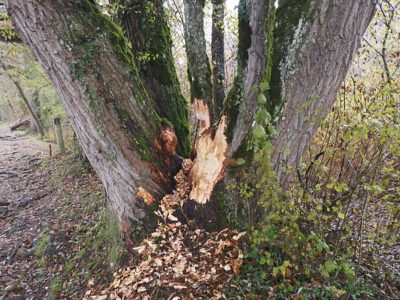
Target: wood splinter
{"points": [[210, 148], [146, 196]]}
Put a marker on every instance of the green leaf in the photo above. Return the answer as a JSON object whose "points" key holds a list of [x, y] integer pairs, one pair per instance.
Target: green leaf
{"points": [[259, 132], [261, 100], [240, 161], [330, 266], [261, 116], [341, 216]]}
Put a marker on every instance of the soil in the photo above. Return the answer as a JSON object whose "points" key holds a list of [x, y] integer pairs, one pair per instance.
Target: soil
{"points": [[43, 215]]}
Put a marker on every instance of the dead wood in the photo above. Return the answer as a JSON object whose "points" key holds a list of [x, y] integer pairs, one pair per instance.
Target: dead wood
{"points": [[19, 123]]}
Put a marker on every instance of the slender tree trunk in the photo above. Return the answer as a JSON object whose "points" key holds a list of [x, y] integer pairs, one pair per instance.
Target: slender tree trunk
{"points": [[199, 72], [92, 67], [31, 111], [259, 13], [146, 27], [217, 55]]}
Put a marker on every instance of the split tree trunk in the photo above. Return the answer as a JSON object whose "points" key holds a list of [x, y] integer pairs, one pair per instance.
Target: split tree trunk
{"points": [[116, 121], [92, 67]]}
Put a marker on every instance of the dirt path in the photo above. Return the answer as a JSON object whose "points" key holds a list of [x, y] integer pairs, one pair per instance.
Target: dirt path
{"points": [[24, 192]]}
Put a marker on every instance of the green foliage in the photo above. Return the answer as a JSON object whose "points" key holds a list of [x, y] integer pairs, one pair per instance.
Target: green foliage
{"points": [[331, 234], [55, 288], [22, 67], [42, 244], [7, 32]]}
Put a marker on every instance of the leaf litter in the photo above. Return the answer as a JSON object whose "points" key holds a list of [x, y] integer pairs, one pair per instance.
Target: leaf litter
{"points": [[178, 262]]}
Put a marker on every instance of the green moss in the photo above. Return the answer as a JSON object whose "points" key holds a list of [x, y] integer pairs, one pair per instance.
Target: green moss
{"points": [[232, 103], [287, 18], [153, 58], [142, 146], [244, 35]]}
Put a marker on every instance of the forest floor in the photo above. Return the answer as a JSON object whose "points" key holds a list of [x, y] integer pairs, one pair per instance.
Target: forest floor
{"points": [[57, 240], [47, 209]]}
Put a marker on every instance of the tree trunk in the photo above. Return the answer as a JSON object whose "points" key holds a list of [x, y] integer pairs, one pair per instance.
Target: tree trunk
{"points": [[199, 73], [92, 67], [26, 101], [117, 123], [260, 15], [314, 45], [146, 27], [217, 55], [30, 109]]}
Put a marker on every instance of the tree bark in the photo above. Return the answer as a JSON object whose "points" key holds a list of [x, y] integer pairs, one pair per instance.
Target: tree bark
{"points": [[87, 58], [259, 13], [218, 56], [199, 72], [119, 125], [30, 109], [146, 27], [314, 45]]}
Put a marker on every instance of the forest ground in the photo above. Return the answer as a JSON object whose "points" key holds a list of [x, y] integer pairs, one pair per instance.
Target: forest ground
{"points": [[56, 238], [46, 211]]}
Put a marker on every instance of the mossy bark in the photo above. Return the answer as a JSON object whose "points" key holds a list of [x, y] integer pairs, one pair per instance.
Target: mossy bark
{"points": [[199, 71], [92, 67], [314, 45], [217, 55], [259, 14], [234, 98], [146, 27]]}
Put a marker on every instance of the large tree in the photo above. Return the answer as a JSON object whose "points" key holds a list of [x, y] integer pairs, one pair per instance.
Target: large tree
{"points": [[131, 131]]}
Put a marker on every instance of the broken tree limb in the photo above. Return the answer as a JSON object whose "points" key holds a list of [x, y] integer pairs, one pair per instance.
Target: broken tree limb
{"points": [[19, 123], [210, 151]]}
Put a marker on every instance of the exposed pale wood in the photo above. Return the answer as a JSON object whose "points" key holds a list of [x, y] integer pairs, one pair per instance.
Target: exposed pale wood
{"points": [[210, 150]]}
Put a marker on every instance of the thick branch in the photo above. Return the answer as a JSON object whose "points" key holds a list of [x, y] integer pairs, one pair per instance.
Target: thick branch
{"points": [[314, 58], [146, 27], [199, 72]]}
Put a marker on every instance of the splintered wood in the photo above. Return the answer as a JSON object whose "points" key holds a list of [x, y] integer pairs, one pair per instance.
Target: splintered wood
{"points": [[178, 262], [210, 149]]}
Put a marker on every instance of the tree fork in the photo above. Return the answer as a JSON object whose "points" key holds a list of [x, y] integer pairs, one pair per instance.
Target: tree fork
{"points": [[115, 121]]}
